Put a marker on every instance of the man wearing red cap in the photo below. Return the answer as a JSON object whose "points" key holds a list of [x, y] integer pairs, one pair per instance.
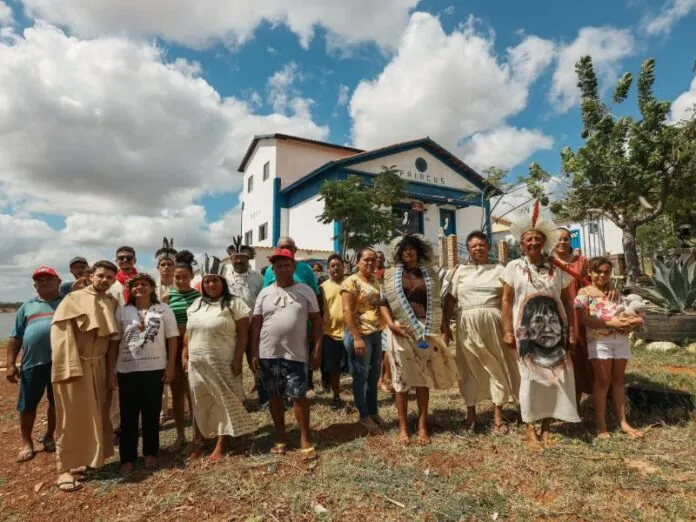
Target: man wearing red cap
{"points": [[31, 334], [279, 346]]}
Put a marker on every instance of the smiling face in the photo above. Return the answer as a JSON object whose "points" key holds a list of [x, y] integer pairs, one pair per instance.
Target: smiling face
{"points": [[602, 276], [78, 268], [533, 243], [182, 278], [478, 250], [125, 260], [212, 286], [142, 288], [563, 246]]}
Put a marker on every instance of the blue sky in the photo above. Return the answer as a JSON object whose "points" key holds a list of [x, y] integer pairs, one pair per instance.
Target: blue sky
{"points": [[127, 120]]}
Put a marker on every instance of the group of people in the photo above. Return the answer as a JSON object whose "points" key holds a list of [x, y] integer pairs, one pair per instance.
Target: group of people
{"points": [[540, 332]]}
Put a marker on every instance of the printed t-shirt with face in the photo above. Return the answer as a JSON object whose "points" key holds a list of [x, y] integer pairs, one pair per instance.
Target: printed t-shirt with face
{"points": [[143, 347], [368, 300], [285, 312]]}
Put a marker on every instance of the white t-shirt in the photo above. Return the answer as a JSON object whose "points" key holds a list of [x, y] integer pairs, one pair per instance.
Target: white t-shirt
{"points": [[144, 348]]}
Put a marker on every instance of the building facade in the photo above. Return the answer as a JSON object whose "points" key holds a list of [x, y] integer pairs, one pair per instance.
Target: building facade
{"points": [[283, 176]]}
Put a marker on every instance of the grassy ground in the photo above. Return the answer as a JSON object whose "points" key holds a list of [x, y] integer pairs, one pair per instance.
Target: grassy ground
{"points": [[458, 477]]}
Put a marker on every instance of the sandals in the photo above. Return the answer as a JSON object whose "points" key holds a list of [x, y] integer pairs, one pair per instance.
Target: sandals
{"points": [[68, 485], [26, 455], [279, 448], [308, 455]]}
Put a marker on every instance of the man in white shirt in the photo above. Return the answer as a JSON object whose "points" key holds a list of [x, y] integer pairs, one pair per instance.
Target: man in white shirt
{"points": [[242, 280]]}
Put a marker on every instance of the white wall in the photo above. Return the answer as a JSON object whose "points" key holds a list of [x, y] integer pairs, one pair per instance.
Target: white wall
{"points": [[468, 220], [437, 173], [257, 204], [296, 159], [305, 228], [611, 234]]}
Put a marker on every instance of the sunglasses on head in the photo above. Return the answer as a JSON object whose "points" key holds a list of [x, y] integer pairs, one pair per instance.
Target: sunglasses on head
{"points": [[125, 258]]}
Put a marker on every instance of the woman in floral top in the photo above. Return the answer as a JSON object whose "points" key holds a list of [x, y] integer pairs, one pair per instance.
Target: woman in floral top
{"points": [[608, 346], [363, 337]]}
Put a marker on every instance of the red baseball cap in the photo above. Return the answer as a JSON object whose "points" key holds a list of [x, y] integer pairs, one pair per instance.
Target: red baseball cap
{"points": [[44, 271], [281, 252]]}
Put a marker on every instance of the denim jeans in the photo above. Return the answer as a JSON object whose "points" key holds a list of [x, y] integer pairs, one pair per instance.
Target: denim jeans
{"points": [[365, 370]]}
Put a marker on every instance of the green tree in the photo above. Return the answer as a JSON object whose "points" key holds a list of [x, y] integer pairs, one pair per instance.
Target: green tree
{"points": [[632, 170], [364, 208]]}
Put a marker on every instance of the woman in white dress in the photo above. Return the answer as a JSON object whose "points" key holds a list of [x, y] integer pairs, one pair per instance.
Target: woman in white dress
{"points": [[487, 367], [214, 346], [536, 307], [410, 307]]}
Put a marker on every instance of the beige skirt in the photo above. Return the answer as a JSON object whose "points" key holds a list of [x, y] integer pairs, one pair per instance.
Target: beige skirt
{"points": [[413, 367], [488, 369]]}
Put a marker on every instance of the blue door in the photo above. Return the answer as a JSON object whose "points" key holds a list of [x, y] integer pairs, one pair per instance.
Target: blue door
{"points": [[448, 221], [574, 239]]}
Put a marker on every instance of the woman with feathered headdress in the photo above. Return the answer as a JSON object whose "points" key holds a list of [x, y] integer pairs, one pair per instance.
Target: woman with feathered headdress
{"points": [[164, 262], [536, 307], [419, 358], [214, 346]]}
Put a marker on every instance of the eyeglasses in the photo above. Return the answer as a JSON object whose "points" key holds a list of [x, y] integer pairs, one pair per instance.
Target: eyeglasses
{"points": [[125, 258]]}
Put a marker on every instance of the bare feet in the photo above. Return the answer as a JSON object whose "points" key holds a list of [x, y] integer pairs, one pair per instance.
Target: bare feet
{"points": [[197, 450], [126, 469], [631, 431], [546, 439], [501, 429], [423, 438], [215, 456], [404, 438], [532, 439], [603, 435]]}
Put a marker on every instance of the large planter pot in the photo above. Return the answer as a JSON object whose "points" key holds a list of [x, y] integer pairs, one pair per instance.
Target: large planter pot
{"points": [[677, 328]]}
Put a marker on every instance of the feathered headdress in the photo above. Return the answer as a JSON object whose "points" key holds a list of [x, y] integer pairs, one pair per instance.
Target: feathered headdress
{"points": [[166, 251], [538, 219], [237, 249], [213, 266]]}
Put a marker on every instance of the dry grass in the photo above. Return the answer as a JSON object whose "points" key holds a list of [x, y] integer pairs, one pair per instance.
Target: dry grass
{"points": [[458, 477]]}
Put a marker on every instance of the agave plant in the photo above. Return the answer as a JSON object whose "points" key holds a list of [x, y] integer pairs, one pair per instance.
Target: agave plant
{"points": [[674, 285]]}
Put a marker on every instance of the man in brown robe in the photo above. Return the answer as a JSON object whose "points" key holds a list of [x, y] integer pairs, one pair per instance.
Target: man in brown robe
{"points": [[84, 329]]}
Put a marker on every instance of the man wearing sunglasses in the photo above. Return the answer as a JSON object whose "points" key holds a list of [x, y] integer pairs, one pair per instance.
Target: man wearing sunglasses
{"points": [[125, 259]]}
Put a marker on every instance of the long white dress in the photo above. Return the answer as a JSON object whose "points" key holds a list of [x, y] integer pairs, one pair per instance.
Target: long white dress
{"points": [[217, 394], [488, 369], [547, 387]]}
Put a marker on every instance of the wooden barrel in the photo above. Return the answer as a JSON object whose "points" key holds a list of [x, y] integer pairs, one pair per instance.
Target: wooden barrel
{"points": [[676, 328]]}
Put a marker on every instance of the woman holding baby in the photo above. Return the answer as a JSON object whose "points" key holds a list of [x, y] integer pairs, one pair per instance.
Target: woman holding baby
{"points": [[608, 346]]}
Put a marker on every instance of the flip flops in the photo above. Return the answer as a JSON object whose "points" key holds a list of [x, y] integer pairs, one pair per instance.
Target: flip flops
{"points": [[68, 485], [308, 455], [279, 448]]}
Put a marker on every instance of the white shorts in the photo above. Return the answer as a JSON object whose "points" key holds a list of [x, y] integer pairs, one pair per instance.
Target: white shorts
{"points": [[612, 347]]}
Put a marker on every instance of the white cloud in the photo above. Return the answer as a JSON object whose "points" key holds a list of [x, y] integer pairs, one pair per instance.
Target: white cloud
{"points": [[449, 87], [232, 22], [280, 87], [108, 125], [121, 143], [5, 14], [607, 46], [671, 12], [504, 147], [683, 106]]}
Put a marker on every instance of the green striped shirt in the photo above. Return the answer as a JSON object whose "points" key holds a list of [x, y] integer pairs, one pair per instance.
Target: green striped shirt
{"points": [[179, 302]]}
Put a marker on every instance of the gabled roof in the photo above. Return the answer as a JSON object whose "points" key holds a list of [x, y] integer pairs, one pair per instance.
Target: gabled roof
{"points": [[277, 136], [426, 143]]}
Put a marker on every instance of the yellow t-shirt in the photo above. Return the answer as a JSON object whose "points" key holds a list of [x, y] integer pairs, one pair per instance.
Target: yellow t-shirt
{"points": [[368, 297], [332, 307]]}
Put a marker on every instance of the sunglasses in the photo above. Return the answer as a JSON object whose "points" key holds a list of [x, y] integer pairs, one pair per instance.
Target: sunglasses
{"points": [[125, 258]]}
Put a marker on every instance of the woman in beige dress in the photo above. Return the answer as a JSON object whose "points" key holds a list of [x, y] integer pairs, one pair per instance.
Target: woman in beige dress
{"points": [[214, 346], [488, 370]]}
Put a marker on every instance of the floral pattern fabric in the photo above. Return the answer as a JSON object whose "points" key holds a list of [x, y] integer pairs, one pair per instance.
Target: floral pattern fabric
{"points": [[599, 307], [368, 300]]}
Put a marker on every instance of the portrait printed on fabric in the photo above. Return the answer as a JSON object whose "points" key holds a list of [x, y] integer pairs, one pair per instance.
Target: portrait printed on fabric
{"points": [[541, 332]]}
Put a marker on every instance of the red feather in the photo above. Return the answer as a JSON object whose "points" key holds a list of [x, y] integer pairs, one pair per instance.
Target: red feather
{"points": [[535, 213]]}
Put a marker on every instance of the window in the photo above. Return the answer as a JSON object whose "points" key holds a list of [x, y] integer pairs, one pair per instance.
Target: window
{"points": [[407, 220], [266, 170], [250, 184], [263, 232], [249, 237]]}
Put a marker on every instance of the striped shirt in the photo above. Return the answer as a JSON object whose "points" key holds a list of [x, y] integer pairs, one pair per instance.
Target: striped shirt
{"points": [[33, 328], [179, 302]]}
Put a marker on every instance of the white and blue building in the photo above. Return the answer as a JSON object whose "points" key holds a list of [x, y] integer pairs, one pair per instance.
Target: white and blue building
{"points": [[283, 175]]}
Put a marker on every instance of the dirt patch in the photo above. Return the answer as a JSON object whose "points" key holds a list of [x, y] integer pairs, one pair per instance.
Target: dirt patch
{"points": [[641, 466], [680, 370]]}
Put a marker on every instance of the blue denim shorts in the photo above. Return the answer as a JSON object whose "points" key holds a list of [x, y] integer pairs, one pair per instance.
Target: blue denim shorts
{"points": [[33, 382], [284, 378]]}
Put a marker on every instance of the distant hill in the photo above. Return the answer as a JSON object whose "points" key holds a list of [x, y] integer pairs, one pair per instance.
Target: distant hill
{"points": [[9, 307]]}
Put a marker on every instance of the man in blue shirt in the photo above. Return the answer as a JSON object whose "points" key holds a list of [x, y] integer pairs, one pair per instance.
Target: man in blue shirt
{"points": [[80, 270], [31, 334]]}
